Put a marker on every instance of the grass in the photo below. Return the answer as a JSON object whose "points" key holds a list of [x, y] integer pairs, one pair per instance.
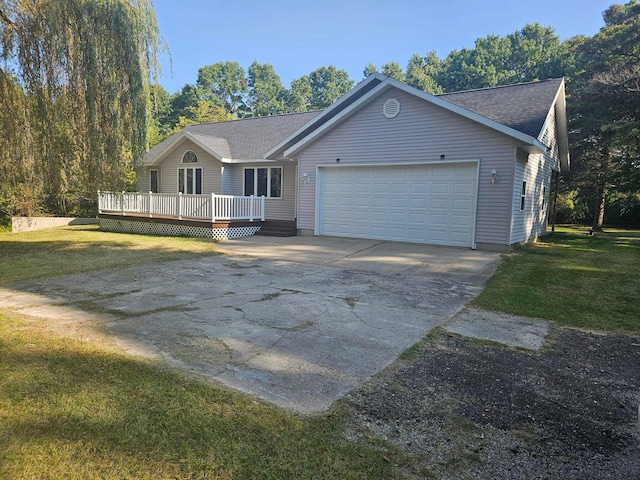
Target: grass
{"points": [[573, 279], [71, 410], [74, 409], [60, 251]]}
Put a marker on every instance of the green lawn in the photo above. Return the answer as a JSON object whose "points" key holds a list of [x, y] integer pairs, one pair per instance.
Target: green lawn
{"points": [[59, 251], [572, 278], [73, 409]]}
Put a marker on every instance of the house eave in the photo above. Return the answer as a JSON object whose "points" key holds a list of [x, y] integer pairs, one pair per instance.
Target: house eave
{"points": [[247, 160], [559, 105], [181, 137], [278, 149]]}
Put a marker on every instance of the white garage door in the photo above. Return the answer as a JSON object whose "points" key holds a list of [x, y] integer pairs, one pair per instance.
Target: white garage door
{"points": [[409, 203]]}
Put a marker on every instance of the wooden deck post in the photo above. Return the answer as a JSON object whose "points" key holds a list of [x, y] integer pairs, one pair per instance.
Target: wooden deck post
{"points": [[99, 203], [179, 205], [150, 200], [251, 208], [262, 205], [213, 207], [122, 203]]}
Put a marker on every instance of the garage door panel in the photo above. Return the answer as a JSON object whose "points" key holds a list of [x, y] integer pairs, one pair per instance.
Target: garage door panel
{"points": [[398, 202], [438, 235], [418, 188], [435, 219], [460, 220], [418, 203], [440, 188], [424, 204], [417, 218], [463, 204], [458, 236], [439, 204], [462, 188]]}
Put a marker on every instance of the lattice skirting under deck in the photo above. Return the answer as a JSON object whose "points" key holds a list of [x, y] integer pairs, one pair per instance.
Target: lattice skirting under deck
{"points": [[167, 230]]}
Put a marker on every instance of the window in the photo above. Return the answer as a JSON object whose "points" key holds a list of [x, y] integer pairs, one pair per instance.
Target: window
{"points": [[154, 185], [523, 195], [189, 157], [263, 181], [544, 195], [190, 180]]}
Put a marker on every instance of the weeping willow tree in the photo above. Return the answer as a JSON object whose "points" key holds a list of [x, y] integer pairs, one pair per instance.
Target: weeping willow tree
{"points": [[74, 87]]}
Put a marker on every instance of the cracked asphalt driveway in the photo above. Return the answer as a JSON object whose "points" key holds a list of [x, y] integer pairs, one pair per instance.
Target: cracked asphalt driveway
{"points": [[298, 321]]}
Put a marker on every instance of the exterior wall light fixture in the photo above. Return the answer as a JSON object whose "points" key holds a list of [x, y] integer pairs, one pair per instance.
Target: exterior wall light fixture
{"points": [[494, 177]]}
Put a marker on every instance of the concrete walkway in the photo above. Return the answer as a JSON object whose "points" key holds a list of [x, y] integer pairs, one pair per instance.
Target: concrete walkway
{"points": [[297, 321]]}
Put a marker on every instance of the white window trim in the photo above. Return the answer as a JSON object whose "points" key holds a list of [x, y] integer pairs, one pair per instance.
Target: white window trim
{"points": [[255, 181], [194, 178], [189, 163], [157, 170]]}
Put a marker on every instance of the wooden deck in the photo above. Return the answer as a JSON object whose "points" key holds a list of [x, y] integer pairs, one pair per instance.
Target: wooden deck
{"points": [[172, 226]]}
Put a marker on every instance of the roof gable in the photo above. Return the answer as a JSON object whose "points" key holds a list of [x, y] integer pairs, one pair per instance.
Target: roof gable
{"points": [[522, 121], [235, 140]]}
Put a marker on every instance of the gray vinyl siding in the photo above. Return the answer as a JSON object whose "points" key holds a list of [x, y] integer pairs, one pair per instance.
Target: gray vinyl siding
{"points": [[143, 179], [421, 133], [168, 170], [227, 173], [275, 208], [531, 222]]}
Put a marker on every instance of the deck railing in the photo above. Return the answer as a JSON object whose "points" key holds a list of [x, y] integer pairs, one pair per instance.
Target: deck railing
{"points": [[210, 207]]}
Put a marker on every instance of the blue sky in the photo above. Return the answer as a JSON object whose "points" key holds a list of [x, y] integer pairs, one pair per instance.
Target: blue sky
{"points": [[296, 37]]}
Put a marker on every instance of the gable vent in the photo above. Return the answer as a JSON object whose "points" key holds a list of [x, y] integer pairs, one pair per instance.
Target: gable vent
{"points": [[391, 108]]}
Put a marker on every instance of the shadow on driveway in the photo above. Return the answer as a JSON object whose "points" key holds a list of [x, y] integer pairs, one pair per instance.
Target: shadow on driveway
{"points": [[298, 322]]}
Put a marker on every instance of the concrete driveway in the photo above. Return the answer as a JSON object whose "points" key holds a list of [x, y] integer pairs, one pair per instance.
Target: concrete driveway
{"points": [[296, 321]]}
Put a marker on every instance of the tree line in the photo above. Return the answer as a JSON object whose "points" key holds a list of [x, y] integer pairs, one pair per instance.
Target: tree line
{"points": [[603, 86], [77, 111], [225, 90]]}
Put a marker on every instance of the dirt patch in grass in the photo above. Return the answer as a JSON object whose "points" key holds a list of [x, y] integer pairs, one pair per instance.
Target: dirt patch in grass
{"points": [[460, 409]]}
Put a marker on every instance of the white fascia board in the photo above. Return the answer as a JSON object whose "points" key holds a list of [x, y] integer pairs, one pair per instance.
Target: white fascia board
{"points": [[179, 138], [248, 160], [330, 108], [173, 143], [559, 105], [563, 133], [202, 145], [389, 82]]}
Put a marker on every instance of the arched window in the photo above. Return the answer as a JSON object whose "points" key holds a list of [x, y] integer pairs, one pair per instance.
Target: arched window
{"points": [[190, 178], [189, 157]]}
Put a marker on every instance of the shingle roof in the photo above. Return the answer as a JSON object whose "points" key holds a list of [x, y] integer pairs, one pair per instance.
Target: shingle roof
{"points": [[218, 145], [523, 107], [245, 139]]}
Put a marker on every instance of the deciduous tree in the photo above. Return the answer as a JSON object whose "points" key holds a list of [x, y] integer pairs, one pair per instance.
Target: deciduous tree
{"points": [[422, 73], [327, 85], [224, 83], [266, 92], [78, 72], [393, 70]]}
